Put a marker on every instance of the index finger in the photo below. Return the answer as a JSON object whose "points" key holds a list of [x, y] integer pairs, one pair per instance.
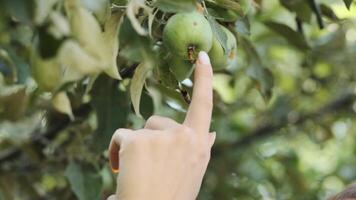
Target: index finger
{"points": [[200, 109]]}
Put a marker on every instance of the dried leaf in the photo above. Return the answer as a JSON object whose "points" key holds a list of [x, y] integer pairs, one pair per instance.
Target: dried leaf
{"points": [[132, 9], [110, 36], [61, 103]]}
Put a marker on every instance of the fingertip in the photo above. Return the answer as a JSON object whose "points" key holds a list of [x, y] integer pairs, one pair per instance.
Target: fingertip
{"points": [[203, 58], [203, 66]]}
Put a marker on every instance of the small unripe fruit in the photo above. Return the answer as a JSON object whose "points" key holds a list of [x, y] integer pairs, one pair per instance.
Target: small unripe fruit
{"points": [[186, 34], [220, 58], [180, 68]]}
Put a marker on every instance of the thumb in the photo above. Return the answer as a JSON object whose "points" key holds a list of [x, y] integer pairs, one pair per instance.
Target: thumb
{"points": [[211, 139]]}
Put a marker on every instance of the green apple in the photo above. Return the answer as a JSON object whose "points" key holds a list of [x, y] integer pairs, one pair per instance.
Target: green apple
{"points": [[186, 34], [180, 68]]}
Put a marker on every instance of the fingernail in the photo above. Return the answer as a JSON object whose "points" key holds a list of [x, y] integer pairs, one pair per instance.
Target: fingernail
{"points": [[115, 171], [204, 58]]}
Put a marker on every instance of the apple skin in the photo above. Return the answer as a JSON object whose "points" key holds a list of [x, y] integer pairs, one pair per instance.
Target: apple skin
{"points": [[219, 58], [181, 69], [186, 34]]}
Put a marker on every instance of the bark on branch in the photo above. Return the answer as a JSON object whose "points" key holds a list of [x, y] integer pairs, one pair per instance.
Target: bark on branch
{"points": [[343, 103]]}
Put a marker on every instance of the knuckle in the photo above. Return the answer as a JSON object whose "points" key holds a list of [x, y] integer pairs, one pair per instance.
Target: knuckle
{"points": [[152, 119], [184, 135], [138, 142], [119, 131], [185, 130], [181, 139]]}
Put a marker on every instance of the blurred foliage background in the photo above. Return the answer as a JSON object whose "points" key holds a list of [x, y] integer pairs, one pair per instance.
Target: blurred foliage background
{"points": [[284, 111]]}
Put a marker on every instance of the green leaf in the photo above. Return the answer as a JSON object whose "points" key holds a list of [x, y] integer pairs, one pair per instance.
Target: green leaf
{"points": [[328, 12], [62, 104], [219, 33], [100, 8], [300, 7], [293, 37], [134, 7], [146, 105], [22, 67], [171, 95], [131, 44], [257, 71], [22, 10], [246, 6], [175, 6], [242, 26], [8, 67], [222, 14], [13, 102], [228, 4], [111, 107], [84, 180], [43, 9], [348, 3], [163, 73], [138, 81]]}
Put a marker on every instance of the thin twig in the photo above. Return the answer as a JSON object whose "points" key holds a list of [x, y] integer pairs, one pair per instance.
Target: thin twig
{"points": [[270, 128], [316, 9]]}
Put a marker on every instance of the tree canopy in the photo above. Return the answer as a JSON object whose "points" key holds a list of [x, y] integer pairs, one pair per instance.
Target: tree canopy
{"points": [[73, 71]]}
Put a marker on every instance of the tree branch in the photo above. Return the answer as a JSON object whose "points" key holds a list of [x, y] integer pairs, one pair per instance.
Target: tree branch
{"points": [[268, 129], [316, 9]]}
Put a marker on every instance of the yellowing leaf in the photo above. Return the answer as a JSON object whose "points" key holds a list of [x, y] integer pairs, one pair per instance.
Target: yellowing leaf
{"points": [[85, 28], [46, 72], [62, 104], [111, 39], [60, 26], [95, 50], [138, 81], [73, 56], [133, 8], [42, 10]]}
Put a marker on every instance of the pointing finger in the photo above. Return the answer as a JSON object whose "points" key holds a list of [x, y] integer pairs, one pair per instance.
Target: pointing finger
{"points": [[200, 110]]}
